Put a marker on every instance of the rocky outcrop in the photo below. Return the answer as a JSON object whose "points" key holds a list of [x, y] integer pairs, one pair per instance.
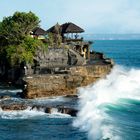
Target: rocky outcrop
{"points": [[44, 63], [58, 109], [5, 97], [57, 57], [12, 107], [64, 84], [75, 58], [46, 109]]}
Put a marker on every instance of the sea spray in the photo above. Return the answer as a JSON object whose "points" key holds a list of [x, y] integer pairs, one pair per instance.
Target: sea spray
{"points": [[31, 113], [97, 100], [20, 114]]}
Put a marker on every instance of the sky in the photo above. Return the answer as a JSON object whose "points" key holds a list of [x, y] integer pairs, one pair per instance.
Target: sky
{"points": [[95, 16]]}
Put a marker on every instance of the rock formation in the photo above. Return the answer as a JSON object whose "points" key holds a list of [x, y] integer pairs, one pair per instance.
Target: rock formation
{"points": [[46, 109], [64, 84]]}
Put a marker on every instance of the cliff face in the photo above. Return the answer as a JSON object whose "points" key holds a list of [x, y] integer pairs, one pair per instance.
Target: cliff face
{"points": [[64, 84], [44, 63]]}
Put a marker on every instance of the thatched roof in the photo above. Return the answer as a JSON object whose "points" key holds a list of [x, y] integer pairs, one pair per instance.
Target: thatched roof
{"points": [[55, 29], [38, 31], [65, 28], [71, 28]]}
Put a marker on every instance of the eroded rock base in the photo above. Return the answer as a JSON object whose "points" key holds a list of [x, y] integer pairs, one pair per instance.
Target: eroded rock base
{"points": [[64, 84]]}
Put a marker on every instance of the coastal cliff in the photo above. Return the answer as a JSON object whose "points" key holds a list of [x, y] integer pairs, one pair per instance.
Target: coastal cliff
{"points": [[64, 84], [44, 63]]}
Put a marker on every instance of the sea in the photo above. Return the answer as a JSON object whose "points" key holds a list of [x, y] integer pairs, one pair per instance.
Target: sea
{"points": [[108, 109]]}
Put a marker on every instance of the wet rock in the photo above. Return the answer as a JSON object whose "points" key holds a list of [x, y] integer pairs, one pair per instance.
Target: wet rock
{"points": [[12, 107], [71, 96], [60, 109], [46, 109], [69, 111], [5, 97]]}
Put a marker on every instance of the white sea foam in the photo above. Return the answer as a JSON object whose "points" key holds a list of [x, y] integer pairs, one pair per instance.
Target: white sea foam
{"points": [[56, 114], [15, 90], [120, 83], [50, 99], [10, 90], [30, 113], [24, 114]]}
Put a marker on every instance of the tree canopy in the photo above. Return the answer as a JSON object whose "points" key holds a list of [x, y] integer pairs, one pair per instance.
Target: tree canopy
{"points": [[14, 29], [24, 52], [16, 44]]}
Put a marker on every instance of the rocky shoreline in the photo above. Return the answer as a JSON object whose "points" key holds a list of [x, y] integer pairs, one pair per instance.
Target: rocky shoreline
{"points": [[61, 105], [65, 83], [46, 109], [47, 63]]}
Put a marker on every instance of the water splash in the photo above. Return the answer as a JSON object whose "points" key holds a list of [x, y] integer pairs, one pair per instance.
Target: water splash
{"points": [[31, 113], [22, 114], [121, 83]]}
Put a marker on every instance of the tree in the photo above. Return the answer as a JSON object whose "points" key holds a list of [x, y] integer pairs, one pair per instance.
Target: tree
{"points": [[14, 29], [16, 45], [51, 39], [24, 52]]}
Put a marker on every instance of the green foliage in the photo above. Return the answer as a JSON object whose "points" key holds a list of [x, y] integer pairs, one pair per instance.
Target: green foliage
{"points": [[50, 39], [25, 51], [15, 28], [26, 21], [59, 40], [54, 40], [16, 45]]}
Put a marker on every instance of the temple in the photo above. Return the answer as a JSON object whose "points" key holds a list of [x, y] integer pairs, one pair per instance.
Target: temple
{"points": [[70, 36], [66, 48]]}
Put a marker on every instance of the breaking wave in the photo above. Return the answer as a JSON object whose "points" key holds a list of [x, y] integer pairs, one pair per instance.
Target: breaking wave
{"points": [[109, 109]]}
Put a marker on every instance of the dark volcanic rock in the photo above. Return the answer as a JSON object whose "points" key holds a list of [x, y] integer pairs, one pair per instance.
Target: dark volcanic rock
{"points": [[69, 111], [5, 97], [60, 109]]}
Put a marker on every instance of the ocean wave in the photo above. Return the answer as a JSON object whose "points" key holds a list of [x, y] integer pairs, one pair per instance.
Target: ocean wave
{"points": [[105, 105]]}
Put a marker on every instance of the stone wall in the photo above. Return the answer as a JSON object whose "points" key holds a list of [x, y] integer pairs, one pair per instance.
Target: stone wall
{"points": [[64, 84]]}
